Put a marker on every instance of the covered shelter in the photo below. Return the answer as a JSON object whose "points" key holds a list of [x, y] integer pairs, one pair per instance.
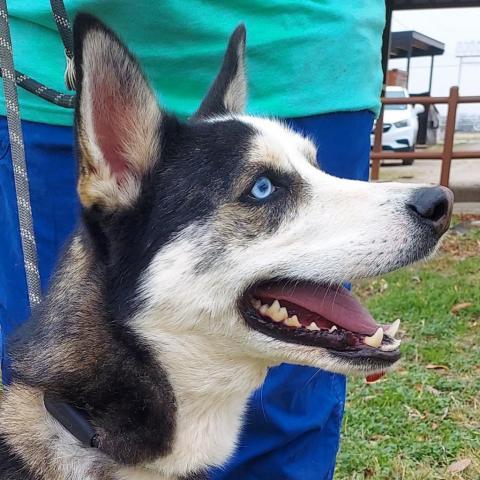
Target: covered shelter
{"points": [[392, 5], [411, 44]]}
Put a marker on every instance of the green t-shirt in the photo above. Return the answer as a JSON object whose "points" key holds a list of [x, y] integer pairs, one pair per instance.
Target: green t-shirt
{"points": [[303, 58]]}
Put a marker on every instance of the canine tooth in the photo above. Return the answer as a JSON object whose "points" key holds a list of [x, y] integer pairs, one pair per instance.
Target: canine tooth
{"points": [[256, 303], [264, 309], [392, 330], [332, 329], [313, 326], [376, 339], [292, 322], [274, 307]]}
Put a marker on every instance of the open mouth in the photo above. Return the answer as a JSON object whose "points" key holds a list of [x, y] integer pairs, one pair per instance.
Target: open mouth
{"points": [[323, 316]]}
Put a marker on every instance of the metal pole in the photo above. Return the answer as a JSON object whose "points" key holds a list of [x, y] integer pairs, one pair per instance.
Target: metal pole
{"points": [[460, 71], [408, 63], [431, 75], [449, 136]]}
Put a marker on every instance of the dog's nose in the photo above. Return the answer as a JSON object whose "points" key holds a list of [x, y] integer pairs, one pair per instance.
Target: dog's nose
{"points": [[433, 205]]}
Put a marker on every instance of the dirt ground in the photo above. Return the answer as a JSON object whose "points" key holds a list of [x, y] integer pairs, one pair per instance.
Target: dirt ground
{"points": [[464, 174]]}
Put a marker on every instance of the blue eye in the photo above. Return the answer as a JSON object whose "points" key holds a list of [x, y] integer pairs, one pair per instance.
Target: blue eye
{"points": [[262, 189]]}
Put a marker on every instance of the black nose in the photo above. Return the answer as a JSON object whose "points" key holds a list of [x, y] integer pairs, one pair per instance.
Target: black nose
{"points": [[433, 205]]}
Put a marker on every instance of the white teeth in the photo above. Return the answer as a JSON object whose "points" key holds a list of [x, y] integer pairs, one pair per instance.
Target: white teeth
{"points": [[275, 311], [332, 329], [292, 322], [376, 339], [279, 315], [313, 326], [274, 308], [392, 330]]}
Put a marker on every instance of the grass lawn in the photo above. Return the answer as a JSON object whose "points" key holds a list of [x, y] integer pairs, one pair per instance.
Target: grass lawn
{"points": [[416, 422]]}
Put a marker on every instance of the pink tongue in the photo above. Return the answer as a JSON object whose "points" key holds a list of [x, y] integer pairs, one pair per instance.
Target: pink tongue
{"points": [[336, 304]]}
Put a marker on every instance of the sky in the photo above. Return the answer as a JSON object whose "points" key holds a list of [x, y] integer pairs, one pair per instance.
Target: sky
{"points": [[449, 26]]}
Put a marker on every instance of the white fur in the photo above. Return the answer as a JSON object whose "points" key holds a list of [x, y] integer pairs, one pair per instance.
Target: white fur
{"points": [[236, 94]]}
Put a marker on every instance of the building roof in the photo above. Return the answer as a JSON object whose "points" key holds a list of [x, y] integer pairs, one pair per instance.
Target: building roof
{"points": [[415, 4], [419, 45]]}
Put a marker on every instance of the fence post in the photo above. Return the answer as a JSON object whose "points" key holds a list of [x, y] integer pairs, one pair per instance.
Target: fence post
{"points": [[377, 146], [449, 136]]}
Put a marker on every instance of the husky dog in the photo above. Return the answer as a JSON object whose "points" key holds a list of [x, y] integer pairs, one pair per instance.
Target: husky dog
{"points": [[208, 251]]}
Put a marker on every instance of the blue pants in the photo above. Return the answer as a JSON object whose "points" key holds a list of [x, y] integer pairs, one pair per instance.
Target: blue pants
{"points": [[293, 423]]}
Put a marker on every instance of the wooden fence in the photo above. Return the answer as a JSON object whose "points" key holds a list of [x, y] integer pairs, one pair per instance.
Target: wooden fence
{"points": [[446, 155]]}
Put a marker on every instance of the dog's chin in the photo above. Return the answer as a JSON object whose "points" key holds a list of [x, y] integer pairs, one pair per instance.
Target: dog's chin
{"points": [[330, 361], [327, 318]]}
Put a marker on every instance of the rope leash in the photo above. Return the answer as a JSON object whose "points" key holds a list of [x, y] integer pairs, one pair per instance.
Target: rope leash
{"points": [[40, 90], [12, 78], [18, 159]]}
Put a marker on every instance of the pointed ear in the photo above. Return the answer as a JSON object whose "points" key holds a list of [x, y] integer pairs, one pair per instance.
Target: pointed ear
{"points": [[117, 118], [228, 94]]}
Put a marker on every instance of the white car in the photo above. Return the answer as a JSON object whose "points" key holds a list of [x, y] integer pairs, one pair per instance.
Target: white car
{"points": [[400, 124]]}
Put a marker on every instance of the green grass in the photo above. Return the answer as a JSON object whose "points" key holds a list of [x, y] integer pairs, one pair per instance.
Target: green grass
{"points": [[416, 421]]}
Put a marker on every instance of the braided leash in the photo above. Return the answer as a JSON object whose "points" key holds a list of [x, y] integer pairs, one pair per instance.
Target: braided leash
{"points": [[12, 78], [18, 158], [40, 90]]}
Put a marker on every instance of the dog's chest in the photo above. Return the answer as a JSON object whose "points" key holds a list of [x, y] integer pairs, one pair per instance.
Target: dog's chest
{"points": [[207, 430]]}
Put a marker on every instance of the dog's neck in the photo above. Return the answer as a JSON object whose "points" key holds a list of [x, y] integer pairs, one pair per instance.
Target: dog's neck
{"points": [[211, 388], [210, 384], [210, 406]]}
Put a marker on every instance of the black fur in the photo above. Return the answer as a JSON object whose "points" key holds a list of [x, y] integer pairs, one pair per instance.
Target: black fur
{"points": [[115, 378], [11, 466], [213, 102]]}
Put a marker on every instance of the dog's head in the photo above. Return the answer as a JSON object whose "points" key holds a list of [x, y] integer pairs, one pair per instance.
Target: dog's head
{"points": [[223, 227]]}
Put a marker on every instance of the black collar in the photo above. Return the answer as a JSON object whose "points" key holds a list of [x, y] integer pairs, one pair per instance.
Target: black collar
{"points": [[76, 421]]}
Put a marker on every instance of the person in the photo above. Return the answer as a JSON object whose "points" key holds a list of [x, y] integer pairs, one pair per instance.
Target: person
{"points": [[315, 64]]}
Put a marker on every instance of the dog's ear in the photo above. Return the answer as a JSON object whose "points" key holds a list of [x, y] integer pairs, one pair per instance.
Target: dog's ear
{"points": [[228, 92], [117, 118]]}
